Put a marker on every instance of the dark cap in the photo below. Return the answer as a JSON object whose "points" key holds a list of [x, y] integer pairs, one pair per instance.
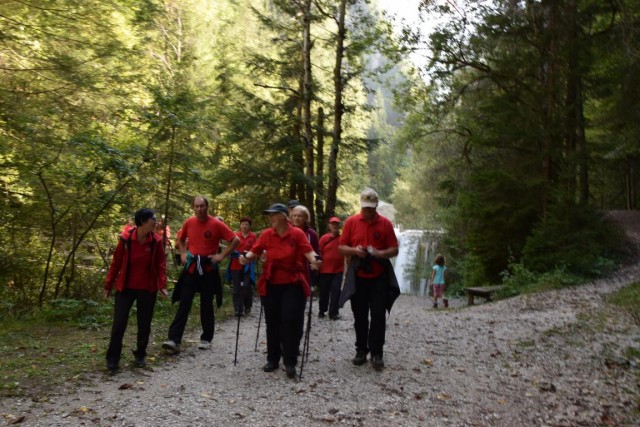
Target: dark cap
{"points": [[277, 208], [293, 203]]}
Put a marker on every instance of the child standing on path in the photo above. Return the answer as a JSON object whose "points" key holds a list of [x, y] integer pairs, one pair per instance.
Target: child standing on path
{"points": [[439, 281]]}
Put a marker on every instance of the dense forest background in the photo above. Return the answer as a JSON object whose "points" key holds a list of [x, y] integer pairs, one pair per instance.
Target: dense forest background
{"points": [[522, 128]]}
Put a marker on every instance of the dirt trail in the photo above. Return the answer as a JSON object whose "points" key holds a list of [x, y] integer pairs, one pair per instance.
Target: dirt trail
{"points": [[551, 359]]}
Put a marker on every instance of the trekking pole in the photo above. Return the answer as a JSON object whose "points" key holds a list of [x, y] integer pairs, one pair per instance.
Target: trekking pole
{"points": [[305, 347], [259, 321], [239, 313]]}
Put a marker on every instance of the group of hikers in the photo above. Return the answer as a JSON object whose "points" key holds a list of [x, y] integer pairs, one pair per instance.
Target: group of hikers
{"points": [[291, 255]]}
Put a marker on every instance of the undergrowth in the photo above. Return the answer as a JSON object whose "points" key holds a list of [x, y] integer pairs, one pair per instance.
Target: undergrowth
{"points": [[63, 344]]}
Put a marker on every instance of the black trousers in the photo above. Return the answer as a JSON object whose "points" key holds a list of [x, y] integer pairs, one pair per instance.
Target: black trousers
{"points": [[242, 295], [207, 285], [145, 304], [370, 298], [329, 284], [284, 315]]}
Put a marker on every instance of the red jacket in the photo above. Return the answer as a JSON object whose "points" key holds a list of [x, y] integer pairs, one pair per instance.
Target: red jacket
{"points": [[157, 277]]}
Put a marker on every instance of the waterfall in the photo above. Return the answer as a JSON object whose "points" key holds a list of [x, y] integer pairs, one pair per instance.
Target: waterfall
{"points": [[405, 263], [415, 248]]}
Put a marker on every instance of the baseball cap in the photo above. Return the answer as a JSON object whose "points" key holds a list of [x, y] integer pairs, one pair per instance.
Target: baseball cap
{"points": [[334, 219], [368, 198], [293, 203], [277, 208]]}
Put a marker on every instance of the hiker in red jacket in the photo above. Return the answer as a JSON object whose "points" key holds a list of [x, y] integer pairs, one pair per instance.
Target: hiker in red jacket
{"points": [[138, 272]]}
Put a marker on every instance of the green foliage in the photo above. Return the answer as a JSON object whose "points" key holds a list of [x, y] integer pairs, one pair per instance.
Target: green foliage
{"points": [[576, 238], [628, 298], [519, 112], [519, 279], [471, 271]]}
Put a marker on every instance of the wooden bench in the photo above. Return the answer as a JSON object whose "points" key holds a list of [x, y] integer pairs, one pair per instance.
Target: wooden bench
{"points": [[484, 292]]}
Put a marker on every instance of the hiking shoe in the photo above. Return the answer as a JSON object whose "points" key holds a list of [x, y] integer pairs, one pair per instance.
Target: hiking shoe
{"points": [[247, 311], [360, 359], [171, 346], [446, 303], [377, 362], [320, 315], [291, 371], [335, 317], [140, 361], [435, 305], [112, 366], [204, 345], [270, 366]]}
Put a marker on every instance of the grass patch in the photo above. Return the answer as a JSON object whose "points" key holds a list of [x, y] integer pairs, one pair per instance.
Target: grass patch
{"points": [[55, 350], [628, 298]]}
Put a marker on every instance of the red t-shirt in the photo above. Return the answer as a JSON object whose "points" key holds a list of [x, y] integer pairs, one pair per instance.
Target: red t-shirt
{"points": [[332, 261], [245, 245], [378, 233], [140, 264], [204, 236], [283, 254]]}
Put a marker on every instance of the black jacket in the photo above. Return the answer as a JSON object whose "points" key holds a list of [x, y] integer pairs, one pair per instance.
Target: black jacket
{"points": [[389, 276]]}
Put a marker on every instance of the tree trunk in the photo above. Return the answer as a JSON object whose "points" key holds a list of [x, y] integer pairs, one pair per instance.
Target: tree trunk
{"points": [[338, 105], [168, 192], [306, 102], [320, 172]]}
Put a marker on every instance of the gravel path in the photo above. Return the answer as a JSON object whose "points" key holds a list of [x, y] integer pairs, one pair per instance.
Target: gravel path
{"points": [[553, 359]]}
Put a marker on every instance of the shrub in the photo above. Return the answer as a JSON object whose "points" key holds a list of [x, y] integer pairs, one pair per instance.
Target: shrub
{"points": [[577, 239]]}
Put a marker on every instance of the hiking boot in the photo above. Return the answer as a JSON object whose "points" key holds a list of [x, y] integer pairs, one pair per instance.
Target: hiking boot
{"points": [[204, 345], [435, 305], [140, 361], [360, 359], [377, 362], [112, 366], [446, 303], [335, 317], [320, 315], [270, 366], [171, 346], [291, 371], [247, 311]]}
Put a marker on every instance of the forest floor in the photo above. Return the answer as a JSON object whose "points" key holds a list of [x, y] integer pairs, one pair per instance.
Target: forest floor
{"points": [[559, 358]]}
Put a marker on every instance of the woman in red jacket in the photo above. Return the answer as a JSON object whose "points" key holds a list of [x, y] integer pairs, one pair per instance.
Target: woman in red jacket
{"points": [[138, 271], [283, 286]]}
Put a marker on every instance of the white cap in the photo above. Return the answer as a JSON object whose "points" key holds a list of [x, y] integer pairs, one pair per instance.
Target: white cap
{"points": [[368, 198]]}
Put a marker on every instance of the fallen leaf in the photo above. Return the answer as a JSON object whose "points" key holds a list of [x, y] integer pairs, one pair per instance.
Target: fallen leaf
{"points": [[443, 396], [84, 409], [17, 420], [427, 362], [125, 386], [502, 401], [606, 420]]}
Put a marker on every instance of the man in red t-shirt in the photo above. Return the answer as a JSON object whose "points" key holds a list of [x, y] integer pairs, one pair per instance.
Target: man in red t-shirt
{"points": [[200, 258], [369, 237], [330, 278]]}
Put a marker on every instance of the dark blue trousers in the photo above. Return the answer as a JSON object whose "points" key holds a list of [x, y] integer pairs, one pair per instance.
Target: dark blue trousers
{"points": [[369, 298], [329, 284], [145, 304], [207, 285], [284, 315]]}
